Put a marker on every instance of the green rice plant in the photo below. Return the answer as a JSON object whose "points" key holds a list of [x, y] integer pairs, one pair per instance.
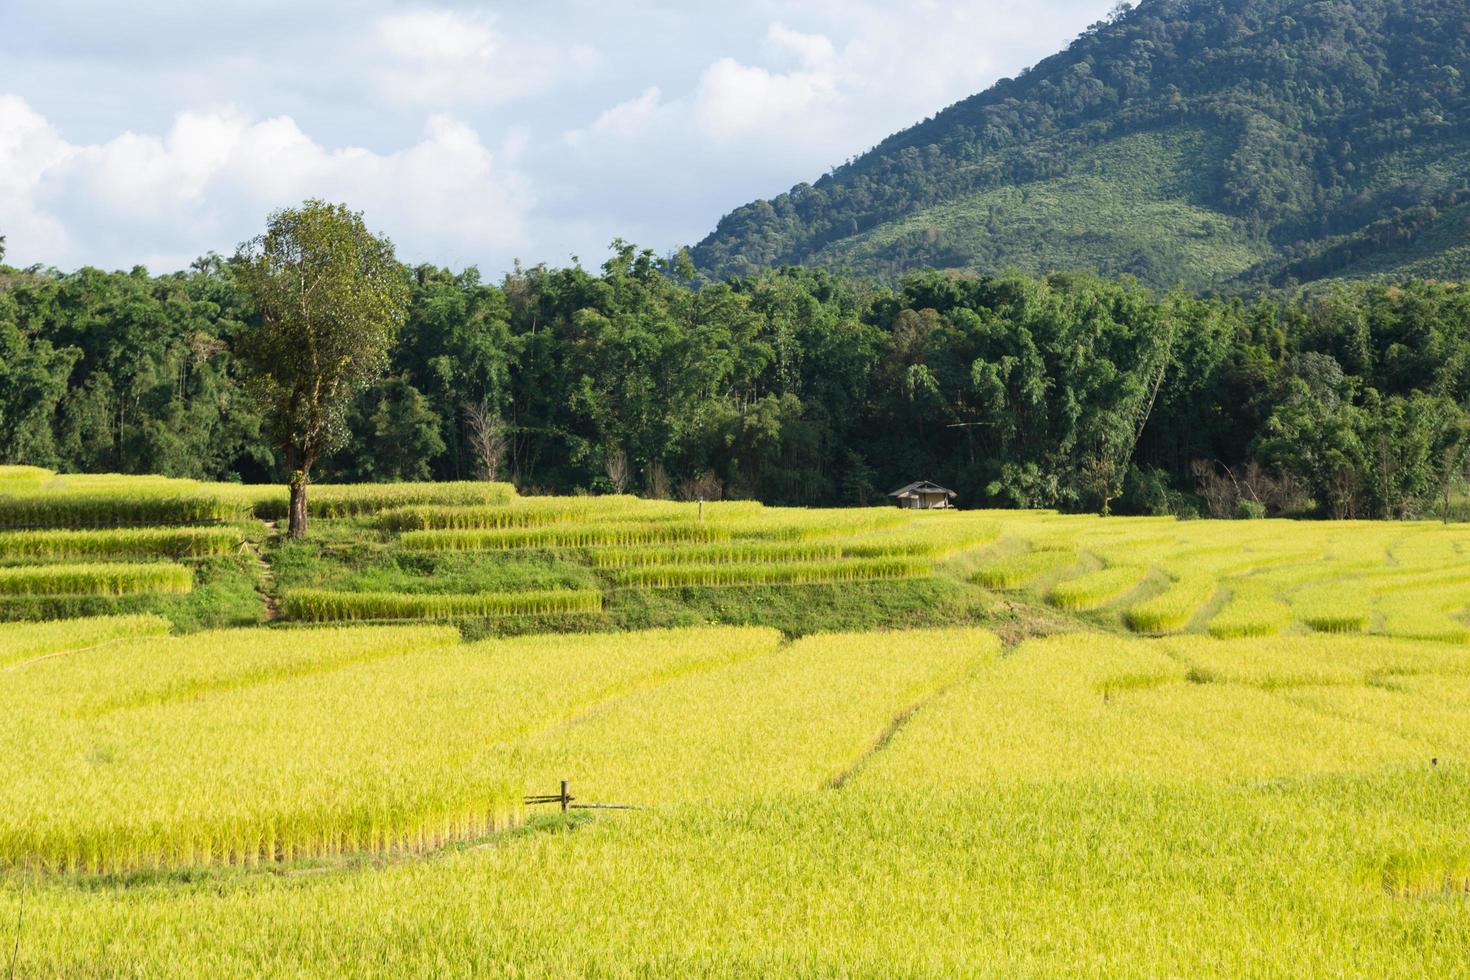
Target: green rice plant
{"points": [[1095, 589], [1338, 607], [95, 579], [21, 643], [101, 507], [323, 605], [761, 573], [114, 543], [1015, 571], [1173, 608], [565, 536], [743, 551], [1253, 609]]}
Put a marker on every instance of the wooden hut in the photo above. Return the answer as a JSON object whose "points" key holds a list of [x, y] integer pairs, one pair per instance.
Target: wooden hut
{"points": [[923, 495]]}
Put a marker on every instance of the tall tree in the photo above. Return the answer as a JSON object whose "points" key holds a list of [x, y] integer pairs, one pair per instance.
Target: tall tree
{"points": [[330, 298]]}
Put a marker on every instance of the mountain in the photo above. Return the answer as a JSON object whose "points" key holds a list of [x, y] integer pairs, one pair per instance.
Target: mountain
{"points": [[1214, 143]]}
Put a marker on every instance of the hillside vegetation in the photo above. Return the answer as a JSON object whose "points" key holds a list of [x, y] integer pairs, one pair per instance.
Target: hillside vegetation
{"points": [[1210, 144]]}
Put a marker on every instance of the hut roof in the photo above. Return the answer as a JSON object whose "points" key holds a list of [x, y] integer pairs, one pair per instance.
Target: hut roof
{"points": [[921, 487]]}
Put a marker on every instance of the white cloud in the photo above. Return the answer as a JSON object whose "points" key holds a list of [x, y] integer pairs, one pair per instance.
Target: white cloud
{"points": [[29, 147], [428, 114], [824, 82], [813, 51], [440, 57], [626, 120], [735, 101], [212, 179]]}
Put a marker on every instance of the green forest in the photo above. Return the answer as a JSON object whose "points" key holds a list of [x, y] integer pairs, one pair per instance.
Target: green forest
{"points": [[793, 386], [1218, 144]]}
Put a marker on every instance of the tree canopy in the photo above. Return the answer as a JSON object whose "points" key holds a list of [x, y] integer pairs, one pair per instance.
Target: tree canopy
{"points": [[792, 386], [329, 298]]}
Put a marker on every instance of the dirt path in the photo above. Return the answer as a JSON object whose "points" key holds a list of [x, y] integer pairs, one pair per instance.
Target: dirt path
{"points": [[266, 583]]}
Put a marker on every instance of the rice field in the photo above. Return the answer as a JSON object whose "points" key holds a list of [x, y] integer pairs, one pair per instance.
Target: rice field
{"points": [[1240, 578], [22, 642], [1075, 786], [673, 576], [103, 579], [272, 747], [565, 536], [1142, 747], [120, 544], [322, 605]]}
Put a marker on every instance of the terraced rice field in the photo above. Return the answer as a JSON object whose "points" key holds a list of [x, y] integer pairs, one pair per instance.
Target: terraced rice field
{"points": [[1242, 578], [1078, 784], [1149, 748]]}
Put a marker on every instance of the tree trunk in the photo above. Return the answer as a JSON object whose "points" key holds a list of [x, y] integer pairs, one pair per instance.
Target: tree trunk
{"points": [[297, 527]]}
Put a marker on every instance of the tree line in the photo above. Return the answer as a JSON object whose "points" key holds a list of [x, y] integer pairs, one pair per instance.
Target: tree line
{"points": [[791, 386]]}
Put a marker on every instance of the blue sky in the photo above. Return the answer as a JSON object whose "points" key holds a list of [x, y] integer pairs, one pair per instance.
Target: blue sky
{"points": [[472, 134]]}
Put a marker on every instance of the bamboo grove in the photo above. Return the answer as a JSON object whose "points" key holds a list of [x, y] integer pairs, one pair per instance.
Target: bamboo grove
{"points": [[792, 387]]}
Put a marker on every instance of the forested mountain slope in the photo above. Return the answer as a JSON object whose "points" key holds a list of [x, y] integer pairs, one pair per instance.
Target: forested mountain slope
{"points": [[1215, 143]]}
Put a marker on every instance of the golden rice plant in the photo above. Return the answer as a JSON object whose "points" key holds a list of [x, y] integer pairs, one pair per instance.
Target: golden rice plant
{"points": [[930, 539], [117, 543], [1426, 615], [802, 718], [1173, 608], [1093, 589], [1426, 873], [761, 573], [742, 551], [107, 507], [355, 499], [24, 642], [1015, 571], [151, 670], [1313, 660], [249, 753], [95, 579], [566, 536], [1253, 609], [20, 476], [802, 524], [1337, 607], [527, 512], [324, 605], [1083, 708]]}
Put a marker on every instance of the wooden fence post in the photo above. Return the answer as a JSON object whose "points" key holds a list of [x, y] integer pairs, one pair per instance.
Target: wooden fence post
{"points": [[566, 796]]}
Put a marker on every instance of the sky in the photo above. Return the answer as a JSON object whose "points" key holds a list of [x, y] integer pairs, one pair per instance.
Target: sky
{"points": [[151, 133]]}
